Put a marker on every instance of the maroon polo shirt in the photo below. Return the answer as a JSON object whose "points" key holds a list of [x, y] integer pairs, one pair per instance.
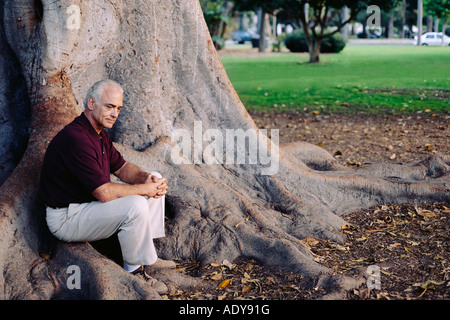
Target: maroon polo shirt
{"points": [[78, 160]]}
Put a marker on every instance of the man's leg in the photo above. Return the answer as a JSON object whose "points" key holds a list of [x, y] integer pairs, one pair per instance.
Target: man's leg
{"points": [[130, 216], [155, 208], [157, 213]]}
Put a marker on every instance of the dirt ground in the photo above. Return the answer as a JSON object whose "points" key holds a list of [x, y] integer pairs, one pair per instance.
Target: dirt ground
{"points": [[402, 250], [359, 140]]}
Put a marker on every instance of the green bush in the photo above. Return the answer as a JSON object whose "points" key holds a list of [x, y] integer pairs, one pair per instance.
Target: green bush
{"points": [[296, 42], [333, 44], [218, 42]]}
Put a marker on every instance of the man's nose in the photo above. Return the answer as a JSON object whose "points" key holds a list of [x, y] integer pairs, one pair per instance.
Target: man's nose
{"points": [[115, 113]]}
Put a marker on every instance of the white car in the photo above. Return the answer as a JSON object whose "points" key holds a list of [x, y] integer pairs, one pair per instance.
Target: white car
{"points": [[433, 39]]}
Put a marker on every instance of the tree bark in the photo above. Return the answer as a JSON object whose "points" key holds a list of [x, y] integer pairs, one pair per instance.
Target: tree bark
{"points": [[314, 51], [391, 25], [162, 54], [444, 27], [262, 30], [402, 31]]}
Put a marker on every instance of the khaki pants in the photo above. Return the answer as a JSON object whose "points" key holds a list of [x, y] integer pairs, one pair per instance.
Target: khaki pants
{"points": [[137, 219]]}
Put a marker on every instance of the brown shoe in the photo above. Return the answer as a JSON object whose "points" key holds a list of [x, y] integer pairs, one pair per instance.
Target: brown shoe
{"points": [[164, 264], [155, 284]]}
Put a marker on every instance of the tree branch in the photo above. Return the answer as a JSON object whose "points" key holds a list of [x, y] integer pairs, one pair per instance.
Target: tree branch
{"points": [[339, 28], [323, 20]]}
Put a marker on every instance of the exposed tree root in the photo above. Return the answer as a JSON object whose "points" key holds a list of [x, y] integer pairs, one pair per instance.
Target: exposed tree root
{"points": [[265, 217]]}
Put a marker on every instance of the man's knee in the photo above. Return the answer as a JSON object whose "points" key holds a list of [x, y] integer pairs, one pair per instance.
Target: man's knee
{"points": [[138, 206], [156, 174]]}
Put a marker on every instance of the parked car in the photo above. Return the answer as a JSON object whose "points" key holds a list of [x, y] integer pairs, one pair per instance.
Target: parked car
{"points": [[432, 39], [241, 36]]}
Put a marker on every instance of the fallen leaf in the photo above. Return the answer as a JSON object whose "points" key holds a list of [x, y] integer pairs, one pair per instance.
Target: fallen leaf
{"points": [[376, 230], [44, 256], [427, 214], [360, 260], [339, 247], [362, 293], [221, 297], [225, 283], [247, 288], [310, 241], [249, 267], [424, 212], [180, 269], [392, 246], [217, 276], [271, 279], [427, 285], [227, 264], [294, 287]]}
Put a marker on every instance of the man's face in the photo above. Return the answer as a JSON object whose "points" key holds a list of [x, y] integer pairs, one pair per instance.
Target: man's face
{"points": [[106, 111]]}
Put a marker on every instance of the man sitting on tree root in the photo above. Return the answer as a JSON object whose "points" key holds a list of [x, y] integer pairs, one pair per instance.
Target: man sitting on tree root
{"points": [[82, 202]]}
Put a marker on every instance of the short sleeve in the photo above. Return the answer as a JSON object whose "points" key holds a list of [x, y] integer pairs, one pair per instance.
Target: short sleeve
{"points": [[83, 164]]}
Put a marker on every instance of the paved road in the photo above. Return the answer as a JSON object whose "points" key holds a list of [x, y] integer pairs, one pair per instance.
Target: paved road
{"points": [[381, 42], [351, 42]]}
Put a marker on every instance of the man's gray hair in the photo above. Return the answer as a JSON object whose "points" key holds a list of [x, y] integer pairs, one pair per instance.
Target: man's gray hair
{"points": [[97, 89]]}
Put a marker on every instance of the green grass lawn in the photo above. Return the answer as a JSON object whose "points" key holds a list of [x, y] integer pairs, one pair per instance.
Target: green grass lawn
{"points": [[372, 79]]}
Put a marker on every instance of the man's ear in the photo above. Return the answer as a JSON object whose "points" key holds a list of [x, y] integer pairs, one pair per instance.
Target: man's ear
{"points": [[91, 103]]}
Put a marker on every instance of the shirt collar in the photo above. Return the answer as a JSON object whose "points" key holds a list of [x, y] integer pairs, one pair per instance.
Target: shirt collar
{"points": [[86, 123]]}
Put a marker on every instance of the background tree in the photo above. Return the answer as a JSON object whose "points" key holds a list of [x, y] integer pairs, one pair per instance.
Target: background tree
{"points": [[439, 9], [322, 19], [162, 53], [318, 15], [217, 15], [262, 7], [411, 15]]}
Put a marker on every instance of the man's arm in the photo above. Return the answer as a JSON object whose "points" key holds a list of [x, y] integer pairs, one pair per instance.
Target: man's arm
{"points": [[131, 174], [139, 183], [110, 190]]}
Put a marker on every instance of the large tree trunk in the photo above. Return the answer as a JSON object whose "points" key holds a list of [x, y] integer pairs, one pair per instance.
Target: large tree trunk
{"points": [[162, 54]]}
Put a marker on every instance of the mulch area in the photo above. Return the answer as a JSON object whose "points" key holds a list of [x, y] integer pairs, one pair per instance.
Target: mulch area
{"points": [[402, 250], [359, 140]]}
